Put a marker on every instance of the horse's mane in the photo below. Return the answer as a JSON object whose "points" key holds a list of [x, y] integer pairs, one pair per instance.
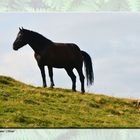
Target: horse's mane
{"points": [[41, 38]]}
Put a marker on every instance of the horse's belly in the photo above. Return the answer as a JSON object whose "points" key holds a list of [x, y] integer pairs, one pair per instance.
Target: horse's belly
{"points": [[61, 63], [58, 66]]}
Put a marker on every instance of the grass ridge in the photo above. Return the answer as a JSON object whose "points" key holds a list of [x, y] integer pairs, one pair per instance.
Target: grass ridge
{"points": [[26, 106]]}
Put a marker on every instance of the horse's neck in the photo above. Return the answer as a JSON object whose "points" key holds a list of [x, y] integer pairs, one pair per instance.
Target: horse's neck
{"points": [[38, 46]]}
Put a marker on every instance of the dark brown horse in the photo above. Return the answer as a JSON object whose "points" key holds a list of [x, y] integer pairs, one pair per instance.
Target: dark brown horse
{"points": [[58, 55]]}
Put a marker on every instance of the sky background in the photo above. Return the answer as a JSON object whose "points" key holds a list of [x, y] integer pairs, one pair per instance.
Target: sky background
{"points": [[111, 39]]}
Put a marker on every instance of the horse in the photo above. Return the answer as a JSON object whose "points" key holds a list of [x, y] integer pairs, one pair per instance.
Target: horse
{"points": [[56, 55]]}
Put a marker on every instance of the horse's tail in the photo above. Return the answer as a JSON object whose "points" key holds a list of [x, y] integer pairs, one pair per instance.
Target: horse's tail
{"points": [[88, 68]]}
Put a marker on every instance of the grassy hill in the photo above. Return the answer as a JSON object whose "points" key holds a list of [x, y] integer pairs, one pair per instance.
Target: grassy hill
{"points": [[26, 106]]}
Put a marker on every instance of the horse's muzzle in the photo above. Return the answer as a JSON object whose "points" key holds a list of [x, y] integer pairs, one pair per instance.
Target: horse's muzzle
{"points": [[15, 48]]}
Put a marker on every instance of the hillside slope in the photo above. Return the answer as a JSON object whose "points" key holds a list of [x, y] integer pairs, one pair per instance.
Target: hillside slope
{"points": [[26, 106]]}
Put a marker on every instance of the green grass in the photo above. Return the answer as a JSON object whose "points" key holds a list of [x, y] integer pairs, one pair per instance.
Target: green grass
{"points": [[25, 106]]}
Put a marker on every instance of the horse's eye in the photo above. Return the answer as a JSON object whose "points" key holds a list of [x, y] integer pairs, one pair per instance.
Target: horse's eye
{"points": [[19, 35]]}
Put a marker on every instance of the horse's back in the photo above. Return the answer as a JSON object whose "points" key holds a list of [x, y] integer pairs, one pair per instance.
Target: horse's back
{"points": [[68, 48]]}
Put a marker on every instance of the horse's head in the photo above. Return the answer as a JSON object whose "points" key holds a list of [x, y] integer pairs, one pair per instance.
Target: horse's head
{"points": [[21, 39]]}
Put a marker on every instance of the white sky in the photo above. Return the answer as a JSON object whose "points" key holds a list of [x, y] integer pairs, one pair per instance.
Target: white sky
{"points": [[111, 39]]}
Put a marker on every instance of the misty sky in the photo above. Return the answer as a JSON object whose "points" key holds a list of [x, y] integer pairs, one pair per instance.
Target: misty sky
{"points": [[111, 39]]}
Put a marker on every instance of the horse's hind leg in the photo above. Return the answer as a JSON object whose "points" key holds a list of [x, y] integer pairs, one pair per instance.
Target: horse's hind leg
{"points": [[80, 72], [50, 70], [73, 78]]}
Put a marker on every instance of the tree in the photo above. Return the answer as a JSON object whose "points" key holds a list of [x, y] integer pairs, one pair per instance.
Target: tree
{"points": [[13, 5], [37, 4], [118, 5]]}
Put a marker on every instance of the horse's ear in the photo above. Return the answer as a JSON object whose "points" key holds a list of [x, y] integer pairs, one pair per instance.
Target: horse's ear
{"points": [[19, 28], [22, 28]]}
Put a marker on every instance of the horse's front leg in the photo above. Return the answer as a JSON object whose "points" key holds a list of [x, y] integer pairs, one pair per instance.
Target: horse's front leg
{"points": [[50, 70], [42, 69]]}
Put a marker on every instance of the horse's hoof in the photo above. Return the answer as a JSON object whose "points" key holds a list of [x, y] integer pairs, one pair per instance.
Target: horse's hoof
{"points": [[74, 90], [83, 91]]}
